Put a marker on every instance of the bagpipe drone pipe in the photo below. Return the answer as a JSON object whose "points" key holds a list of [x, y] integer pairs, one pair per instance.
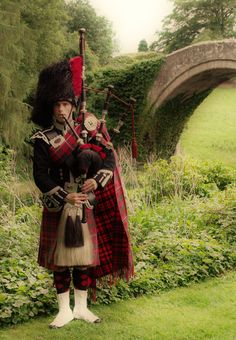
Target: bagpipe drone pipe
{"points": [[91, 133]]}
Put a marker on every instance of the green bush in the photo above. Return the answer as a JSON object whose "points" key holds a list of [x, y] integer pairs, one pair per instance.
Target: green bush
{"points": [[183, 230], [127, 59], [178, 242], [180, 178], [183, 225], [24, 286], [25, 290]]}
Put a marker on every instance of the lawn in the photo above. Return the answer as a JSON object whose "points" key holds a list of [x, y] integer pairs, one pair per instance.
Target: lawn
{"points": [[210, 134], [201, 311]]}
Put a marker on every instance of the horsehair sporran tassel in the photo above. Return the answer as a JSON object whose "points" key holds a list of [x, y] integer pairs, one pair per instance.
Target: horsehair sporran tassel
{"points": [[73, 256], [79, 231], [73, 232]]}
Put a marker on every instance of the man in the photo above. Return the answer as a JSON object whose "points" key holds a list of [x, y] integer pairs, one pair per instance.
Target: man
{"points": [[61, 162]]}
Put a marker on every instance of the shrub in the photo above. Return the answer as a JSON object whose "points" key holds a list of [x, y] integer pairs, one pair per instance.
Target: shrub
{"points": [[183, 228], [180, 178], [24, 287]]}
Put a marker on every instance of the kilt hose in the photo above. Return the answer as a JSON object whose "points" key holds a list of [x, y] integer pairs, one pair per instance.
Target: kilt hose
{"points": [[81, 280]]}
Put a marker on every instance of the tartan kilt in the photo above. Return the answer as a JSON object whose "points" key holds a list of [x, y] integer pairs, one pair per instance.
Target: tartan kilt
{"points": [[110, 219], [48, 236]]}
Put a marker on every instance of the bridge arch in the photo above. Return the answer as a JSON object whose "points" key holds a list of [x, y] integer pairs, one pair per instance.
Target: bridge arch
{"points": [[194, 69], [184, 80]]}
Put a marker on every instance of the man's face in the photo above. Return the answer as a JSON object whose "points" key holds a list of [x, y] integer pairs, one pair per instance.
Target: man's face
{"points": [[62, 109]]}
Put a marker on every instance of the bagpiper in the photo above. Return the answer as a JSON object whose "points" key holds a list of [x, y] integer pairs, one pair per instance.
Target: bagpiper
{"points": [[84, 230]]}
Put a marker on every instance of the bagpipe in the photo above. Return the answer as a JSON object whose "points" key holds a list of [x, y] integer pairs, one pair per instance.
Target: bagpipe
{"points": [[86, 128], [80, 91]]}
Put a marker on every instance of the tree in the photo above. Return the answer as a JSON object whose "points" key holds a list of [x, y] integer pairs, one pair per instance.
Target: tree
{"points": [[143, 46], [15, 40], [47, 21], [196, 20], [32, 34], [99, 36]]}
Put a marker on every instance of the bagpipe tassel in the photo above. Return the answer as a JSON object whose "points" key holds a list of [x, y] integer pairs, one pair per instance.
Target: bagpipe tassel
{"points": [[134, 147]]}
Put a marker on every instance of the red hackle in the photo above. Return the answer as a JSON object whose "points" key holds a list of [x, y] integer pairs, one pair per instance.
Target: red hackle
{"points": [[76, 65]]}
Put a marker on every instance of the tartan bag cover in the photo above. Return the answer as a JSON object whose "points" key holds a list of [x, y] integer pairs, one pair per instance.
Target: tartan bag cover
{"points": [[109, 218]]}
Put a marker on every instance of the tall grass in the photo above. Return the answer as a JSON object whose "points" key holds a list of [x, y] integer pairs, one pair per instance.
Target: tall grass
{"points": [[181, 177]]}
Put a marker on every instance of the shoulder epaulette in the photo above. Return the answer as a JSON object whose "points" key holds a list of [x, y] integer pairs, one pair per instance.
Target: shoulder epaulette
{"points": [[44, 135]]}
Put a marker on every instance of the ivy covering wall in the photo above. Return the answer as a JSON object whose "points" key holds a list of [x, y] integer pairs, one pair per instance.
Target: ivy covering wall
{"points": [[169, 123], [131, 80], [157, 132]]}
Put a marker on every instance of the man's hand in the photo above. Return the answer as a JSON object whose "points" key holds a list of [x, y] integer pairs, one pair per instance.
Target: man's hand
{"points": [[89, 185], [76, 198]]}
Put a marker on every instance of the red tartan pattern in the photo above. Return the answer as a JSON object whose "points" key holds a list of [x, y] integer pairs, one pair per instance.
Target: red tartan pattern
{"points": [[111, 222], [93, 147], [113, 240], [60, 153], [48, 237], [112, 236]]}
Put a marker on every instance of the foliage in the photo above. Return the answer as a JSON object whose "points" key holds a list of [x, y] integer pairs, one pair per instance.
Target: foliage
{"points": [[157, 132], [143, 46], [183, 241], [47, 22], [162, 130], [124, 60], [133, 79], [15, 40], [182, 226], [24, 287], [193, 21], [100, 36], [182, 178], [34, 34]]}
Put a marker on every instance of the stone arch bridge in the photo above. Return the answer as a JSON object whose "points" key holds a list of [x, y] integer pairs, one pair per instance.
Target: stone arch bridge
{"points": [[194, 69], [187, 74]]}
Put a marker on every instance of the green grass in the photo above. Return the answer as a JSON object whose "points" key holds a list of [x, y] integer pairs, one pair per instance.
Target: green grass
{"points": [[210, 133], [203, 311]]}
